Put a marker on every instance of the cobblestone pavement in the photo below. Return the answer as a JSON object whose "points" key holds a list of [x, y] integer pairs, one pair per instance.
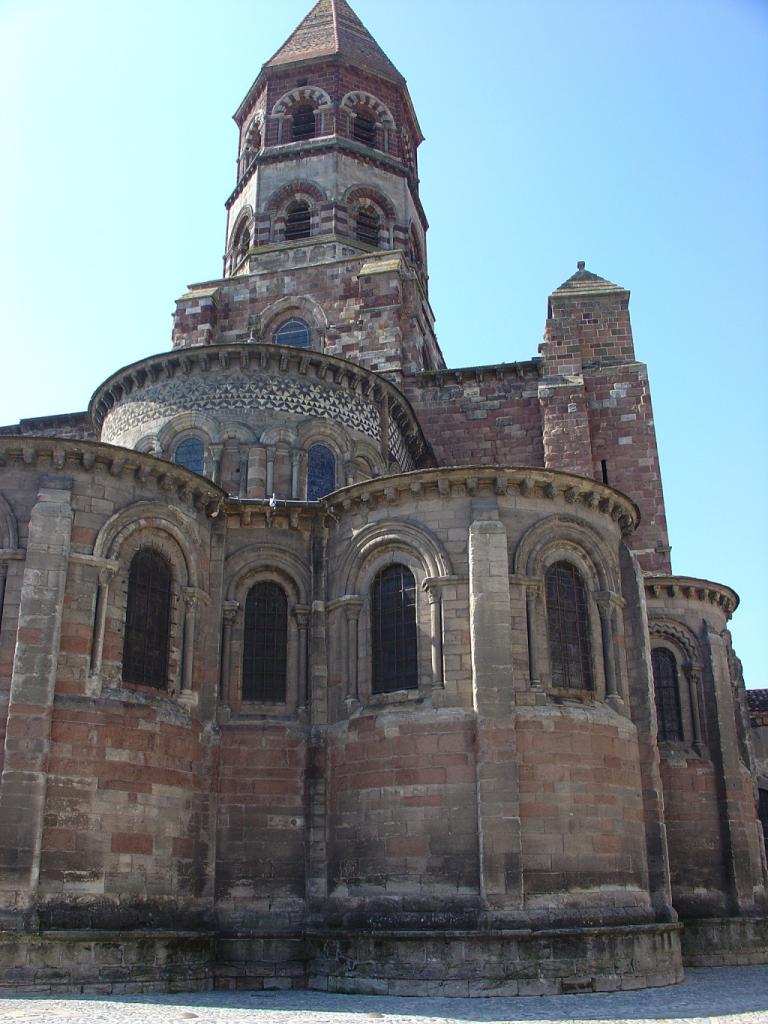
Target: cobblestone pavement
{"points": [[731, 995]]}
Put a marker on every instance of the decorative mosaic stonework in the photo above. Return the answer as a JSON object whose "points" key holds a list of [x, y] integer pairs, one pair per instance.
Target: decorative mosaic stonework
{"points": [[235, 394]]}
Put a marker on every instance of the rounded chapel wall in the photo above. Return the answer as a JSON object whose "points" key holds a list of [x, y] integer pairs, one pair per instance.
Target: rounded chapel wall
{"points": [[124, 834], [418, 777]]}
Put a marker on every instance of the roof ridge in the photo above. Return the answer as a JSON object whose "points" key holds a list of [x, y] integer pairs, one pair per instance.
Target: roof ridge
{"points": [[335, 15]]}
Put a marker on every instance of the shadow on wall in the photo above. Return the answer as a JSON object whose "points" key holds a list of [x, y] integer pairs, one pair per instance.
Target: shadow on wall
{"points": [[708, 994]]}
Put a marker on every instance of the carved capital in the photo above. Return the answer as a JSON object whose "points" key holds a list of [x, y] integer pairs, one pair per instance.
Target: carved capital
{"points": [[229, 611], [193, 596], [301, 614], [107, 574], [351, 603], [607, 600]]}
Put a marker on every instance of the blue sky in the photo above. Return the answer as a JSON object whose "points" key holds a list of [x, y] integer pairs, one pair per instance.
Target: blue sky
{"points": [[628, 134]]}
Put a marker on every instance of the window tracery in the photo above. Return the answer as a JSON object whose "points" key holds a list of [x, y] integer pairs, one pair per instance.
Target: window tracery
{"points": [[666, 686], [190, 453], [292, 332], [147, 620], [393, 629], [568, 628], [265, 644], [321, 472]]}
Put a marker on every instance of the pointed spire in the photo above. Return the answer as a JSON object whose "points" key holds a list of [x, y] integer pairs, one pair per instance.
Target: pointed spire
{"points": [[333, 29]]}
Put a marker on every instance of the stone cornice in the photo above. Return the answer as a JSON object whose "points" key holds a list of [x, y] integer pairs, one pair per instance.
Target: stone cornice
{"points": [[292, 151], [250, 510], [477, 374], [58, 455], [264, 357], [691, 589], [500, 480], [213, 288]]}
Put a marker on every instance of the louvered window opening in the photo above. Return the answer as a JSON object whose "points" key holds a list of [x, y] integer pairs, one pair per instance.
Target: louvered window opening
{"points": [[570, 649], [393, 615], [364, 130], [368, 226], [190, 453], [321, 472], [303, 123], [147, 621], [298, 222], [292, 332], [265, 644], [667, 692]]}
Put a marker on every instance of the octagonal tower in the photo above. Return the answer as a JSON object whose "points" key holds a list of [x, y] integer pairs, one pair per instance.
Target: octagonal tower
{"points": [[326, 193]]}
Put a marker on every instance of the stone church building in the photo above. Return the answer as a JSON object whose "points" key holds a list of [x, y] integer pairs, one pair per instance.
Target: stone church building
{"points": [[323, 664]]}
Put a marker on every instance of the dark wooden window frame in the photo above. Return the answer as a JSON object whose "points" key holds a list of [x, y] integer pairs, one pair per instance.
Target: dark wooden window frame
{"points": [[265, 644], [182, 454], [303, 123], [666, 689], [364, 130], [321, 471], [569, 628], [394, 630], [298, 220], [146, 643], [368, 225]]}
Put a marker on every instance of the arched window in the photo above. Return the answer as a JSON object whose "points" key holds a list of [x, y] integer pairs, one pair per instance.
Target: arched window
{"points": [[190, 453], [667, 692], [570, 649], [265, 643], [393, 629], [367, 225], [242, 242], [364, 130], [321, 472], [147, 620], [303, 125], [414, 247], [292, 332], [298, 221]]}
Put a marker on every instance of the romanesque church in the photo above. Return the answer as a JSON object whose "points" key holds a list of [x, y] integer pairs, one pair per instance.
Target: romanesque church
{"points": [[325, 664]]}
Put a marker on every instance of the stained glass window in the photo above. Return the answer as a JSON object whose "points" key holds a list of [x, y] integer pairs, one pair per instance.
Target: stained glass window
{"points": [[265, 643], [666, 689], [190, 453], [570, 649], [393, 621], [147, 620], [321, 472], [292, 332]]}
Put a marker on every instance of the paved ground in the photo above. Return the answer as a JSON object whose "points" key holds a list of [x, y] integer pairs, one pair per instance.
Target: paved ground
{"points": [[725, 995]]}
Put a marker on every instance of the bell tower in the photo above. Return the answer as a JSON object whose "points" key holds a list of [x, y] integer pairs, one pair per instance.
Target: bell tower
{"points": [[326, 235]]}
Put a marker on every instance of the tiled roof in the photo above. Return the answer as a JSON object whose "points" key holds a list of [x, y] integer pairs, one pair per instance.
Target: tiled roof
{"points": [[331, 28], [757, 701]]}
